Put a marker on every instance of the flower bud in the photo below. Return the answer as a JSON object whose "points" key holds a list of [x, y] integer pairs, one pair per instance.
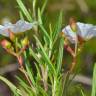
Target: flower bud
{"points": [[5, 44], [73, 24], [62, 34], [25, 42], [12, 36]]}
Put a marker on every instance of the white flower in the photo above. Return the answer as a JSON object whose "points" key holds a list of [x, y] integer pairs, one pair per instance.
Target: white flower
{"points": [[19, 26], [85, 31]]}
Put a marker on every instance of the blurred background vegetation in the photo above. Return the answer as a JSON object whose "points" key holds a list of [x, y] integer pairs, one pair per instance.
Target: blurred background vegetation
{"points": [[82, 10]]}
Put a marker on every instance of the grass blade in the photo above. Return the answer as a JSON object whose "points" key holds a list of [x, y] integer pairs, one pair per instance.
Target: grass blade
{"points": [[46, 56], [24, 10], [94, 82], [57, 27], [11, 86], [60, 55], [43, 7]]}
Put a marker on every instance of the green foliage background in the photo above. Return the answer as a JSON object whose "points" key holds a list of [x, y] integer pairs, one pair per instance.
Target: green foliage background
{"points": [[9, 9]]}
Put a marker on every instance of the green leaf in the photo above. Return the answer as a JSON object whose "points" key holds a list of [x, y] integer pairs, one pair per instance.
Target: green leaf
{"points": [[24, 86], [94, 82], [34, 4], [38, 72], [11, 86], [28, 70], [82, 93], [57, 28], [42, 91], [60, 55], [24, 10], [51, 31], [45, 33], [39, 16], [43, 7], [21, 15], [30, 74], [45, 56], [34, 56]]}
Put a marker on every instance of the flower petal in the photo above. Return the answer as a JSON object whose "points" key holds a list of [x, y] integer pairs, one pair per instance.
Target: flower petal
{"points": [[69, 34], [4, 30], [86, 31], [20, 26]]}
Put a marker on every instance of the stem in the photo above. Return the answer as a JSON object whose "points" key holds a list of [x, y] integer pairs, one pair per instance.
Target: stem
{"points": [[23, 71], [44, 76], [26, 75], [65, 84], [34, 16], [34, 10], [75, 55], [54, 88], [76, 46], [73, 65], [45, 80], [68, 48]]}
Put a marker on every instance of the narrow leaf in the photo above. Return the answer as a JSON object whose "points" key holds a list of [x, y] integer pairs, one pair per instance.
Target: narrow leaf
{"points": [[12, 86], [94, 82], [24, 10]]}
